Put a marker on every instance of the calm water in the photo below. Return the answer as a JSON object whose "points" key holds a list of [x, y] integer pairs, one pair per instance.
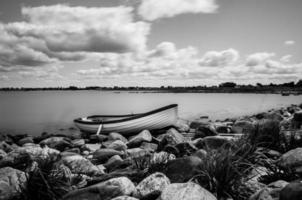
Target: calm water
{"points": [[38, 111]]}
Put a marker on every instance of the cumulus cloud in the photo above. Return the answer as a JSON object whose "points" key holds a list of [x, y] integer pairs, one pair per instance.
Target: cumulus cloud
{"points": [[219, 58], [258, 58], [155, 9], [289, 42], [286, 58], [60, 32]]}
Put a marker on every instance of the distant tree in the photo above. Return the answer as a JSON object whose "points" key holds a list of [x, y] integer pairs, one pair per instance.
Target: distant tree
{"points": [[259, 85], [228, 84], [289, 84], [299, 83]]}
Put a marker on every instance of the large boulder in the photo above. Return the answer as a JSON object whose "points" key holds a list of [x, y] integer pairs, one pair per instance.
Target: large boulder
{"points": [[12, 183], [59, 143], [292, 159], [186, 191], [182, 169], [105, 190], [292, 191], [102, 155], [80, 165], [144, 136], [154, 183]]}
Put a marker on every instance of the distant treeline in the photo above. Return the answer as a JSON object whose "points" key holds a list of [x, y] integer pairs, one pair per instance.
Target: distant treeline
{"points": [[295, 88]]}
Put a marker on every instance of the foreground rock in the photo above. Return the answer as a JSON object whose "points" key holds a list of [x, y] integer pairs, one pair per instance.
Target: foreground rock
{"points": [[136, 141], [22, 155], [292, 191], [186, 191], [182, 169], [80, 165], [102, 155], [12, 183], [292, 159], [106, 190], [152, 184]]}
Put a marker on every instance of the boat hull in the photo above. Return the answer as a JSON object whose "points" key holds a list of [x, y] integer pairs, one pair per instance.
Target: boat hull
{"points": [[152, 121]]}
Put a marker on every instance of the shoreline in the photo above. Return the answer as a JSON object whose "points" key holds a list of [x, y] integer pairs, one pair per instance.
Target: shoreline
{"points": [[79, 163]]}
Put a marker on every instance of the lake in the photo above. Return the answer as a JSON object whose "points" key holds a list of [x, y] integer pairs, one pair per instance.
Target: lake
{"points": [[34, 112]]}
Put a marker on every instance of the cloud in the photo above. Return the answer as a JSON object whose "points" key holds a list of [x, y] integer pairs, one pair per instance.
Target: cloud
{"points": [[289, 42], [55, 33], [4, 78], [286, 58], [219, 58], [258, 58], [155, 9]]}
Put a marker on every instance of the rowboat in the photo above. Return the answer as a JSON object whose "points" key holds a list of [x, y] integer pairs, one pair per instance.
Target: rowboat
{"points": [[127, 124]]}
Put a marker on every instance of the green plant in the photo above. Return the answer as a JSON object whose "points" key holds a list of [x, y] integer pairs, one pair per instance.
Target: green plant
{"points": [[223, 170], [49, 181]]}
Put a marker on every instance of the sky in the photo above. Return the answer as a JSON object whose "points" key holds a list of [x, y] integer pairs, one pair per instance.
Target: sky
{"points": [[51, 43]]}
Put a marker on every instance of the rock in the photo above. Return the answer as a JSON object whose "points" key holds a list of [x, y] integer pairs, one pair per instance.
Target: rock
{"points": [[25, 140], [202, 154], [118, 145], [291, 159], [298, 116], [22, 155], [93, 147], [186, 148], [2, 154], [144, 136], [80, 165], [263, 194], [137, 152], [124, 198], [172, 137], [151, 147], [5, 147], [182, 169], [186, 191], [293, 191], [200, 122], [107, 190], [153, 183], [59, 143], [114, 162], [205, 130], [223, 129], [73, 150], [276, 187], [161, 157], [12, 183], [215, 142], [274, 115], [257, 172], [97, 138], [78, 142], [243, 126], [117, 136], [102, 155]]}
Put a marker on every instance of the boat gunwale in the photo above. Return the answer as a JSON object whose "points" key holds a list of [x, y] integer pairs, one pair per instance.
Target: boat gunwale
{"points": [[128, 117]]}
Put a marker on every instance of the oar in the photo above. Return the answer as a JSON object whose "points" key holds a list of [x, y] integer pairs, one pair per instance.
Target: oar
{"points": [[99, 129]]}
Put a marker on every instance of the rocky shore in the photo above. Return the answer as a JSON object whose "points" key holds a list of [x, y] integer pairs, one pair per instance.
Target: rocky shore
{"points": [[255, 157]]}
